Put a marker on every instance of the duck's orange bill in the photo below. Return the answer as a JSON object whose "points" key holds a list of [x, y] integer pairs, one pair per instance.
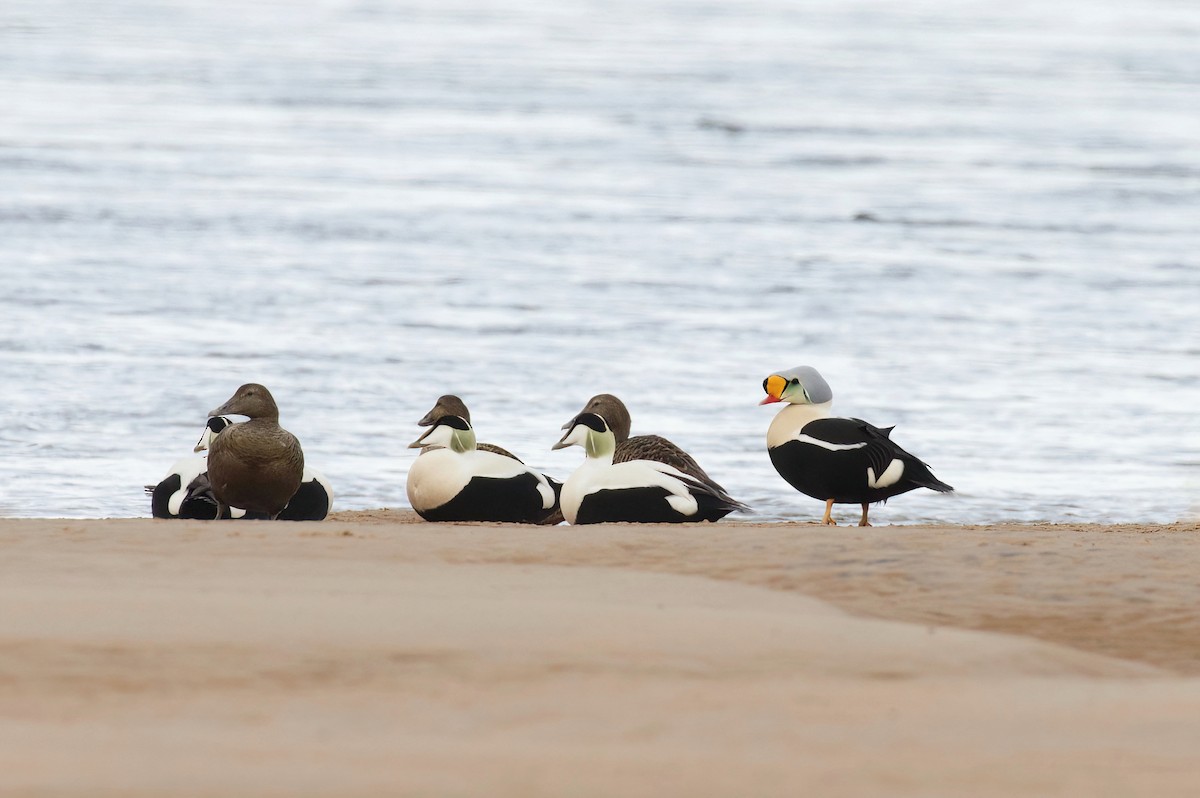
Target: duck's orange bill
{"points": [[774, 386]]}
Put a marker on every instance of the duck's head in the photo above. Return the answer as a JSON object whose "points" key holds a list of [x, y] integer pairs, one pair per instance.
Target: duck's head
{"points": [[590, 431], [448, 432], [211, 429], [614, 413], [251, 400], [448, 405], [802, 385]]}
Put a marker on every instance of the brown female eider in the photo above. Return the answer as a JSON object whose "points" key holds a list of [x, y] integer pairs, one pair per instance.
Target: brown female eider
{"points": [[256, 465]]}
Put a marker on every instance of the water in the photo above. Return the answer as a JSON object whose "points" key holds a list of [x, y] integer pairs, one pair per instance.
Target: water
{"points": [[978, 221]]}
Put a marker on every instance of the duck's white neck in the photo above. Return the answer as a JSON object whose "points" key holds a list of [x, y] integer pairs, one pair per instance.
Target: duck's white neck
{"points": [[791, 419]]}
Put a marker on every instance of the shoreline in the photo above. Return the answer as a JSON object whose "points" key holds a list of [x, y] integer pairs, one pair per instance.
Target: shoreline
{"points": [[375, 654]]}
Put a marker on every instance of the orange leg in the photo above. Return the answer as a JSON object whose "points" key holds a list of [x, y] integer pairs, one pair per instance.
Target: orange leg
{"points": [[828, 520], [863, 521]]}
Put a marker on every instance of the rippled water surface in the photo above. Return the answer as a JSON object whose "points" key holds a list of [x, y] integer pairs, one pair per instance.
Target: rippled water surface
{"points": [[979, 221]]}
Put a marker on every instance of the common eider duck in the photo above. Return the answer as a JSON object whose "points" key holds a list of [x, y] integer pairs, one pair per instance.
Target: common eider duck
{"points": [[643, 447], [256, 465], [184, 492], [638, 491], [311, 502], [451, 405], [836, 460], [454, 480]]}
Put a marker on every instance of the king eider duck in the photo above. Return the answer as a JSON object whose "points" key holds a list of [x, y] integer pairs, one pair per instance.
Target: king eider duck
{"points": [[643, 447], [256, 465], [454, 480], [837, 460], [638, 491]]}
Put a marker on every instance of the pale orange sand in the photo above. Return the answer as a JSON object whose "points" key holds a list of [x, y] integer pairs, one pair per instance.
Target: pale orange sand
{"points": [[370, 655]]}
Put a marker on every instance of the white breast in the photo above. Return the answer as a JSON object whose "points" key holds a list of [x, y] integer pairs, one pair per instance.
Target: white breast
{"points": [[188, 469], [438, 475], [790, 420]]}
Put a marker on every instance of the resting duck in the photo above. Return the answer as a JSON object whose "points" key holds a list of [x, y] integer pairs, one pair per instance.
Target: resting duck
{"points": [[643, 447], [184, 492], [837, 460], [451, 405], [311, 502], [454, 479], [639, 491], [256, 465]]}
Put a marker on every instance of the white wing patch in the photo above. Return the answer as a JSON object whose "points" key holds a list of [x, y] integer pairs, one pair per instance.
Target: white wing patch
{"points": [[833, 447], [188, 469], [890, 476], [546, 492], [685, 504], [646, 474]]}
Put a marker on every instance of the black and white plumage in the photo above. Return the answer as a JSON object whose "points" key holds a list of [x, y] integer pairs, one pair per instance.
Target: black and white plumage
{"points": [[643, 447], [186, 493], [451, 405], [638, 491], [453, 480], [836, 460]]}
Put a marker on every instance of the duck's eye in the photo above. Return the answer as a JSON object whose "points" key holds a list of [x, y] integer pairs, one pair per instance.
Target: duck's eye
{"points": [[795, 381]]}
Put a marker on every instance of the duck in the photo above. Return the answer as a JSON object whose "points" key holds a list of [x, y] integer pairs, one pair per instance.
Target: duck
{"points": [[637, 491], [311, 502], [256, 465], [184, 492], [455, 480], [451, 405], [836, 460], [643, 447]]}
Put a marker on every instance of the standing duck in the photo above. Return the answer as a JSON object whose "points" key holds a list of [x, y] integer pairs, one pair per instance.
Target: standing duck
{"points": [[256, 465], [454, 479], [837, 460], [643, 447], [639, 491]]}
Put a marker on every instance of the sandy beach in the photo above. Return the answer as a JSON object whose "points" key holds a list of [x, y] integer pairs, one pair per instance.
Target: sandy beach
{"points": [[373, 654]]}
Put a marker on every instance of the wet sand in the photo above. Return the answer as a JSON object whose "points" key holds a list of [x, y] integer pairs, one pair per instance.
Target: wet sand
{"points": [[373, 654]]}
